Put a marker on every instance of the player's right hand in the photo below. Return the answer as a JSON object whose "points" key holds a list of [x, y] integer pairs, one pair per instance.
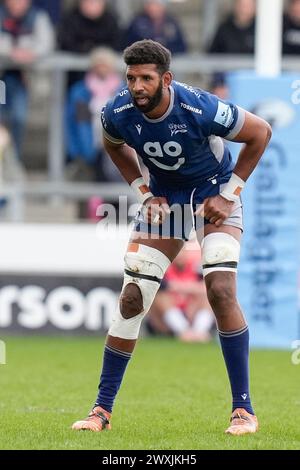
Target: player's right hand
{"points": [[215, 209], [155, 210]]}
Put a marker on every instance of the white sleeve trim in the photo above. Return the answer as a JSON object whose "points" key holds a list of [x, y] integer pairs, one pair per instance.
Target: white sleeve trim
{"points": [[113, 140], [238, 125]]}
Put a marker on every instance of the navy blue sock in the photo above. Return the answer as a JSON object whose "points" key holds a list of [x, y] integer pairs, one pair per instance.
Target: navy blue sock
{"points": [[235, 347], [114, 365]]}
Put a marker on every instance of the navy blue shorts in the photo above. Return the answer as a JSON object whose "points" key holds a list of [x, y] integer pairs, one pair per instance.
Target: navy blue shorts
{"points": [[183, 202]]}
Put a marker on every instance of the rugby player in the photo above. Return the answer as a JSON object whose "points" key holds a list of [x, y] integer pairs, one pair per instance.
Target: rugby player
{"points": [[179, 133]]}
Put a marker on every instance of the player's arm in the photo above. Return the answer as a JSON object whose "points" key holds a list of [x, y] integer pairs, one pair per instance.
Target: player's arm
{"points": [[255, 134], [125, 159]]}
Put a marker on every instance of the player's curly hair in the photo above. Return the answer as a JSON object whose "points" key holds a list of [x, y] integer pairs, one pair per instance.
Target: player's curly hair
{"points": [[148, 52]]}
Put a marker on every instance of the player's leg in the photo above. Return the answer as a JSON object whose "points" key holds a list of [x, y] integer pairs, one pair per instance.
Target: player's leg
{"points": [[220, 244], [220, 256], [138, 293], [145, 264]]}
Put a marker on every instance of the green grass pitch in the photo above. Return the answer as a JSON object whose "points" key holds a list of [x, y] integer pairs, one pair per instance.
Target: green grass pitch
{"points": [[174, 396]]}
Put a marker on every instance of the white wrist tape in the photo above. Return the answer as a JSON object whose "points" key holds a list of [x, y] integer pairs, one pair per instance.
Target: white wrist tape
{"points": [[141, 190], [233, 188]]}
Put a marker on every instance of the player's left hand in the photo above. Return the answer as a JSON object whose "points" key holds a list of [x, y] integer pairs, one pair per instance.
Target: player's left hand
{"points": [[216, 209]]}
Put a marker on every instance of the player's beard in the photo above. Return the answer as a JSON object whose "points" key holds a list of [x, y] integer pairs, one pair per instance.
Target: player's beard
{"points": [[153, 101]]}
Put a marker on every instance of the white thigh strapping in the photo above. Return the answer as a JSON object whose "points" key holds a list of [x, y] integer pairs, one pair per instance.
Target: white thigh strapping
{"points": [[220, 252]]}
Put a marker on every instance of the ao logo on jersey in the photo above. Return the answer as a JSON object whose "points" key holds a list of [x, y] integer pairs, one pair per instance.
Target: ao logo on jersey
{"points": [[170, 149]]}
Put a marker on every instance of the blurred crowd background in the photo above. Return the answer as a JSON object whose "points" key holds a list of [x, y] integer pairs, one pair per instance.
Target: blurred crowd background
{"points": [[60, 61]]}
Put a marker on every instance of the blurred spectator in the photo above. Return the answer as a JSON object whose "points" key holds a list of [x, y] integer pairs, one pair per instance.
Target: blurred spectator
{"points": [[218, 85], [25, 35], [86, 27], [291, 28], [236, 34], [11, 169], [10, 166], [155, 23], [89, 25], [88, 161], [52, 7], [181, 306]]}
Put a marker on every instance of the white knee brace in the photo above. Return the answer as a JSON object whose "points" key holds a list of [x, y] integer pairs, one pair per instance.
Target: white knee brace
{"points": [[145, 268], [220, 252]]}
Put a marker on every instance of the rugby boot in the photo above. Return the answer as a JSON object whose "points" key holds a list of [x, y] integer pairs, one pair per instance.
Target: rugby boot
{"points": [[242, 422], [97, 420]]}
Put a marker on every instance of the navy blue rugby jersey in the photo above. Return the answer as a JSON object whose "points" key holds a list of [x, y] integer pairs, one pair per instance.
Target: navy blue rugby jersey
{"points": [[185, 146]]}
